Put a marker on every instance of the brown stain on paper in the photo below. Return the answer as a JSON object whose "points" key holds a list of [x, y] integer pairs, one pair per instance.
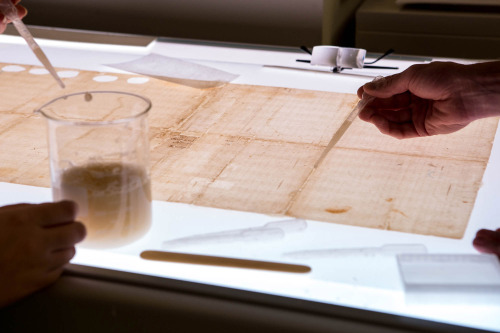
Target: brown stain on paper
{"points": [[338, 210], [399, 212]]}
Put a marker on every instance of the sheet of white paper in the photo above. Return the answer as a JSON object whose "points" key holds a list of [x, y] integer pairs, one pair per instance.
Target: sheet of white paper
{"points": [[176, 70]]}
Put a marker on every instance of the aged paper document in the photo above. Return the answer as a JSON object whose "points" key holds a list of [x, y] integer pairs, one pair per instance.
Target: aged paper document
{"points": [[253, 148]]}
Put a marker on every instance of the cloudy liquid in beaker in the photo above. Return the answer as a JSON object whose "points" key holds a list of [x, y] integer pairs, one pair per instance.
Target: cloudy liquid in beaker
{"points": [[114, 201]]}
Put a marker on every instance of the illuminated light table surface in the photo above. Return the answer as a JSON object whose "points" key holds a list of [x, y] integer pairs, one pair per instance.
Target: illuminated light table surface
{"points": [[363, 281]]}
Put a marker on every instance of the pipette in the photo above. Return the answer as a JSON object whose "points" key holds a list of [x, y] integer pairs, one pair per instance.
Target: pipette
{"points": [[269, 231], [365, 100], [9, 10], [343, 128]]}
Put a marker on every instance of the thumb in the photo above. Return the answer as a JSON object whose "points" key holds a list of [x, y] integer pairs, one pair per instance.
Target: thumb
{"points": [[388, 86]]}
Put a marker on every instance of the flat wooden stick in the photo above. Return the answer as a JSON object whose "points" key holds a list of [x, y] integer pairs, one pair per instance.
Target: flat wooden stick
{"points": [[198, 259]]}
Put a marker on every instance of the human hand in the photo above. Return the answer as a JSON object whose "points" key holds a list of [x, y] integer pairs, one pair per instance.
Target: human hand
{"points": [[488, 241], [435, 98], [21, 11], [36, 241]]}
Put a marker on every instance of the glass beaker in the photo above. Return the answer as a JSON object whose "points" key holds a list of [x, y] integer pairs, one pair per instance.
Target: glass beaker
{"points": [[99, 157]]}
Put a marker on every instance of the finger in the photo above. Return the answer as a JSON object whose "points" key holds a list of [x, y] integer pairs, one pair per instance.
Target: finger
{"points": [[487, 241], [60, 258], [21, 11], [396, 130], [391, 85], [13, 207], [485, 246], [3, 20], [366, 114], [360, 92], [395, 102], [397, 124], [397, 116], [489, 234], [45, 214], [484, 233], [54, 213], [65, 235]]}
